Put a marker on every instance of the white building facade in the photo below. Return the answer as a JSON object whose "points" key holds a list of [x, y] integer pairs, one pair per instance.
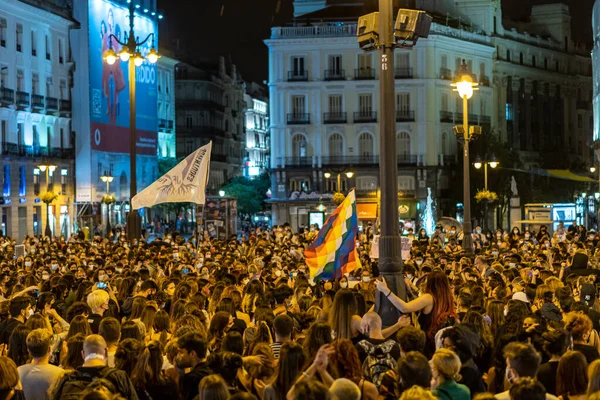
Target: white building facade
{"points": [[324, 102], [166, 108], [35, 118], [257, 130]]}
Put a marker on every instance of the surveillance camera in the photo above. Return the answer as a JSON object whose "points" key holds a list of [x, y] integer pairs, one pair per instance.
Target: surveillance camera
{"points": [[458, 130], [368, 31], [475, 130], [411, 25]]}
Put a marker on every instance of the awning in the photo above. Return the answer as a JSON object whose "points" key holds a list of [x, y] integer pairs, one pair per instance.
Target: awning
{"points": [[566, 174], [366, 211]]}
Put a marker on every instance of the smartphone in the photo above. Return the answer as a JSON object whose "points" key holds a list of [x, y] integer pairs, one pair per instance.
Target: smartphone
{"points": [[185, 271], [101, 285]]}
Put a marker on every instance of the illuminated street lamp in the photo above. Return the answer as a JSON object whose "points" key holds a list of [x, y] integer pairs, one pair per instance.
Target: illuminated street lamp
{"points": [[349, 174], [48, 169], [131, 49], [478, 164], [107, 178], [465, 85], [222, 193]]}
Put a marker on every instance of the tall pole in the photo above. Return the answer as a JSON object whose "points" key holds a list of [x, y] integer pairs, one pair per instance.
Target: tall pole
{"points": [[485, 175], [133, 218], [390, 263], [48, 229], [467, 229], [339, 182]]}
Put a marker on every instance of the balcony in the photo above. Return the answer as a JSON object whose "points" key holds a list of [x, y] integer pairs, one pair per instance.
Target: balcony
{"points": [[446, 116], [365, 116], [473, 119], [484, 81], [485, 120], [362, 74], [335, 74], [65, 107], [403, 73], [448, 159], [297, 76], [23, 99], [406, 159], [405, 116], [445, 74], [57, 152], [170, 125], [350, 160], [37, 102], [366, 194], [13, 149], [335, 118], [51, 104], [458, 117], [7, 96], [294, 162], [162, 123], [298, 119]]}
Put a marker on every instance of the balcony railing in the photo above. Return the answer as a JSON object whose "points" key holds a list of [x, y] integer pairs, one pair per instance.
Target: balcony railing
{"points": [[335, 118], [365, 116], [65, 106], [295, 162], [23, 99], [335, 74], [297, 76], [364, 74], [446, 116], [446, 74], [7, 96], [485, 120], [298, 118], [38, 102], [448, 159], [350, 160], [21, 150], [162, 123], [406, 159], [51, 104], [473, 119], [403, 73], [405, 115], [458, 117]]}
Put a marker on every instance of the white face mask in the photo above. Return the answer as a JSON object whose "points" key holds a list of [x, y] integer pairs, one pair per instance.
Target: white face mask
{"points": [[118, 270], [343, 285], [30, 313], [101, 278], [28, 263], [419, 262], [277, 272], [54, 267], [366, 278], [45, 277]]}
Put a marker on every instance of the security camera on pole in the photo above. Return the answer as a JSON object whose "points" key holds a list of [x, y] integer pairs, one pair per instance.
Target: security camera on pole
{"points": [[375, 33]]}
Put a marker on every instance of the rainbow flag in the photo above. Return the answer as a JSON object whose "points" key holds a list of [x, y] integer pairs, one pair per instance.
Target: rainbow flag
{"points": [[333, 253]]}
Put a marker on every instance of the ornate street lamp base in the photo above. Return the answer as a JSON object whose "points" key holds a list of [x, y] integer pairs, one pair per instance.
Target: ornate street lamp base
{"points": [[134, 225]]}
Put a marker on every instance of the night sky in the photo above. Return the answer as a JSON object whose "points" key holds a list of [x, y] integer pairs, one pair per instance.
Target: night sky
{"points": [[237, 28]]}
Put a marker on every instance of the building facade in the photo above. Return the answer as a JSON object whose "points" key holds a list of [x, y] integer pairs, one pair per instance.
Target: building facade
{"points": [[257, 130], [324, 98], [166, 108], [210, 106], [35, 118], [596, 83]]}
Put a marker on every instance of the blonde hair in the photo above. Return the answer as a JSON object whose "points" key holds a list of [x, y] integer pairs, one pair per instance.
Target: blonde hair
{"points": [[38, 342], [447, 364], [417, 393], [97, 299], [554, 283], [593, 377]]}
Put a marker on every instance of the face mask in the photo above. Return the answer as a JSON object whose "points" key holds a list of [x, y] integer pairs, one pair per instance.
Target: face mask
{"points": [[28, 263], [478, 231], [302, 271], [527, 236], [515, 231], [494, 253], [498, 235], [175, 256], [512, 265], [30, 313], [204, 276], [366, 278], [505, 312], [343, 285], [118, 270], [54, 267], [419, 262], [45, 277], [101, 278], [278, 272], [547, 245], [409, 276]]}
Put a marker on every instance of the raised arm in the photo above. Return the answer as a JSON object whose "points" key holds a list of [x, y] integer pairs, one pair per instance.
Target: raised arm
{"points": [[415, 305]]}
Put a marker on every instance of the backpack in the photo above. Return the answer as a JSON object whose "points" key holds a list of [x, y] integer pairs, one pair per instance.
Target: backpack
{"points": [[379, 360], [73, 385]]}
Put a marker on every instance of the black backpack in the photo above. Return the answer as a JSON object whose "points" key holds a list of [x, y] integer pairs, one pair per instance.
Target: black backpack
{"points": [[74, 384], [379, 360]]}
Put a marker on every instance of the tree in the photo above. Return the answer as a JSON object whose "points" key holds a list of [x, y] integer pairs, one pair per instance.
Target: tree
{"points": [[249, 193]]}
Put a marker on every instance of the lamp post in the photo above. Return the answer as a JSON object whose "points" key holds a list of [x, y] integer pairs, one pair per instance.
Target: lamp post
{"points": [[107, 178], [130, 51], [348, 174], [47, 168], [493, 164], [465, 85], [592, 170]]}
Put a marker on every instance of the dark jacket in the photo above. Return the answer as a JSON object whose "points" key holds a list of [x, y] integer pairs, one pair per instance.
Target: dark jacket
{"points": [[7, 328], [190, 381], [117, 377]]}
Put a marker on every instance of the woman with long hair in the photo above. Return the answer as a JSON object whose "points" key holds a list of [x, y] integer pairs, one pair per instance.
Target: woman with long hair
{"points": [[346, 364], [161, 327], [593, 374], [319, 334], [485, 353], [516, 313], [342, 317], [148, 378], [292, 358], [17, 346], [556, 342], [79, 324], [147, 319], [219, 325], [495, 311], [262, 374], [213, 387], [72, 357], [127, 355], [571, 376], [253, 290], [436, 304]]}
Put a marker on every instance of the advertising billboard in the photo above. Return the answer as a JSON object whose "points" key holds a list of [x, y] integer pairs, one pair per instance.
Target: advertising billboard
{"points": [[109, 84]]}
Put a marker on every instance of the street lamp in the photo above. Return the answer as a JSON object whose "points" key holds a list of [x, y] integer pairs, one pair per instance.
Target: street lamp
{"points": [[107, 178], [222, 193], [48, 169], [131, 50], [478, 163], [465, 85], [348, 174], [592, 170]]}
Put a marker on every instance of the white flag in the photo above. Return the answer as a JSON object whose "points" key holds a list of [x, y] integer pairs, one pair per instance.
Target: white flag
{"points": [[186, 182]]}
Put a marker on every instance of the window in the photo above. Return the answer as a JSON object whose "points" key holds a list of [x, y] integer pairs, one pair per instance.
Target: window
{"points": [[189, 122], [20, 135], [509, 112], [403, 60], [48, 137], [3, 25], [64, 174], [35, 84], [49, 87], [403, 144], [336, 145], [365, 145], [545, 63], [579, 121], [63, 90], [365, 104], [33, 44], [521, 58], [482, 106], [557, 66], [298, 105], [51, 179], [62, 138], [299, 185], [366, 183], [445, 149], [36, 136], [19, 37], [406, 183], [507, 55], [22, 181], [335, 104], [365, 61], [335, 65], [3, 75], [444, 61], [403, 103], [6, 186], [47, 40], [299, 146], [298, 66], [36, 181], [3, 132], [20, 81], [445, 102], [482, 70], [61, 57]]}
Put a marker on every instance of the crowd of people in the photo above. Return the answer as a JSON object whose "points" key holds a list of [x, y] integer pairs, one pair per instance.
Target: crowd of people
{"points": [[242, 319]]}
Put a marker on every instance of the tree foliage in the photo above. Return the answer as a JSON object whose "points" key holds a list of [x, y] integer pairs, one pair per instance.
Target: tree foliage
{"points": [[249, 193]]}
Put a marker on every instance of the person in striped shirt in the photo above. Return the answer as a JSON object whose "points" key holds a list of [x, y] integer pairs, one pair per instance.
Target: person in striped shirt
{"points": [[283, 326]]}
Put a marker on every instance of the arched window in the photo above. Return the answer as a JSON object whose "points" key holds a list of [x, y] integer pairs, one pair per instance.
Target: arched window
{"points": [[521, 58], [365, 145], [403, 145], [336, 145], [299, 146]]}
